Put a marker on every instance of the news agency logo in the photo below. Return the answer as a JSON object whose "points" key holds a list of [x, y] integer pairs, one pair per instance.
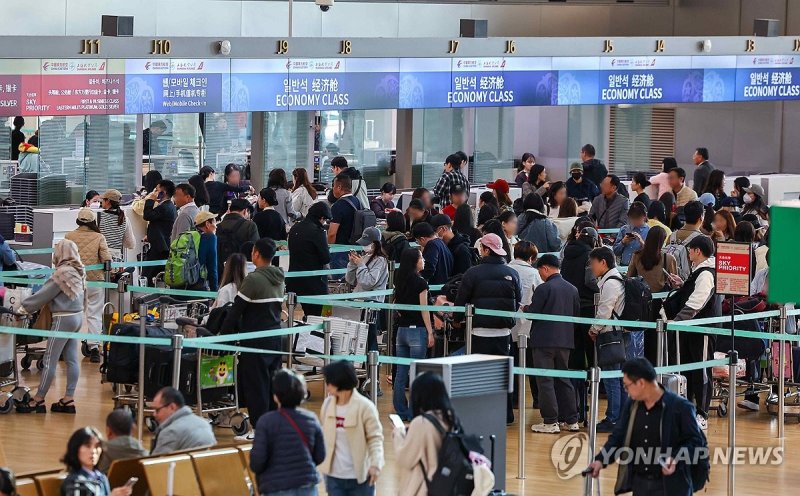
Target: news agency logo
{"points": [[569, 455]]}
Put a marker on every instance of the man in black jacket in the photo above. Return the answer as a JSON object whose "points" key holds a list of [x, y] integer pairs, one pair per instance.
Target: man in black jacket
{"points": [[456, 243], [664, 435], [491, 285], [160, 213], [551, 343], [235, 230], [308, 249], [593, 169]]}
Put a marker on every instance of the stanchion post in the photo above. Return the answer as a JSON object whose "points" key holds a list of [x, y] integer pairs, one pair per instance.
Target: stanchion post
{"points": [[107, 277], [523, 347], [140, 398], [177, 350], [781, 374], [469, 313], [291, 303], [372, 365], [733, 357], [594, 379], [390, 313], [122, 288], [661, 335]]}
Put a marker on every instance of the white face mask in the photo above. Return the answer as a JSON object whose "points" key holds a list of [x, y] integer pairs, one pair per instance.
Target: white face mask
{"points": [[748, 198], [94, 205], [369, 249]]}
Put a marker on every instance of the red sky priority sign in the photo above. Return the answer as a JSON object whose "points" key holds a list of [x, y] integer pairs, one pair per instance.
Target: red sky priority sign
{"points": [[733, 268]]}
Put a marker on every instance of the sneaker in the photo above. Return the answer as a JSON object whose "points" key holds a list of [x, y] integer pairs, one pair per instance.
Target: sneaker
{"points": [[702, 422], [546, 428], [605, 426], [748, 405], [247, 437], [94, 356], [569, 427]]}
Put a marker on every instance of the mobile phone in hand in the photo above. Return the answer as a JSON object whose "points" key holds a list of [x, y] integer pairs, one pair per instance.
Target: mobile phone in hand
{"points": [[132, 482]]}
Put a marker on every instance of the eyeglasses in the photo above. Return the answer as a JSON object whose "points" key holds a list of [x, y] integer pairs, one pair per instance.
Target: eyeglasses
{"points": [[627, 385], [159, 408]]}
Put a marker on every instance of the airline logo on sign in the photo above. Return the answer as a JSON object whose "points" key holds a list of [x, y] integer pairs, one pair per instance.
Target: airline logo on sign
{"points": [[156, 66], [316, 65], [74, 66], [780, 60], [187, 65], [479, 64], [634, 63]]}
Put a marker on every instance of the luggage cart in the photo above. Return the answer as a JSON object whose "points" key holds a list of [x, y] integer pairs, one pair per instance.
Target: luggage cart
{"points": [[348, 337], [11, 393]]}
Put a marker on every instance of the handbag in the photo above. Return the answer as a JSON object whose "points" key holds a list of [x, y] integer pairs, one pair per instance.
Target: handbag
{"points": [[610, 348]]}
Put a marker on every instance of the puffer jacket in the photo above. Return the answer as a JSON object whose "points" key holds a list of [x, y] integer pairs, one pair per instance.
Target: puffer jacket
{"points": [[540, 231], [491, 285], [462, 254], [574, 269], [92, 248]]}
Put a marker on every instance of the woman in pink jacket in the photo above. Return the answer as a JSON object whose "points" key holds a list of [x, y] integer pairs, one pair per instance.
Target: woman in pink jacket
{"points": [[661, 180]]}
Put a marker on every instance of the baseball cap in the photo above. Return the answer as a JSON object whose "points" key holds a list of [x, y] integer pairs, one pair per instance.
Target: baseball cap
{"points": [[576, 166], [729, 201], [203, 217], [707, 199], [756, 190], [590, 232], [440, 220], [493, 242], [549, 260], [85, 214], [370, 235], [457, 189], [500, 185], [112, 194]]}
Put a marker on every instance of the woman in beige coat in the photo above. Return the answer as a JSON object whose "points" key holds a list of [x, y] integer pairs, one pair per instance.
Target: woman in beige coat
{"points": [[93, 250], [422, 442], [353, 435]]}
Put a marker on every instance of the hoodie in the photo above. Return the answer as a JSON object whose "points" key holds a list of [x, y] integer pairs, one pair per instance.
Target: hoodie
{"points": [[462, 253], [257, 306], [595, 170]]}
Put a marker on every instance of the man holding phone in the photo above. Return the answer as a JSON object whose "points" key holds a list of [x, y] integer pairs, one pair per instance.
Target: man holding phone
{"points": [[160, 213], [663, 435], [631, 236]]}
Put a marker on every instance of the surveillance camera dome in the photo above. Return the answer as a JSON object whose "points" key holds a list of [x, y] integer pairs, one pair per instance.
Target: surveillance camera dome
{"points": [[324, 5]]}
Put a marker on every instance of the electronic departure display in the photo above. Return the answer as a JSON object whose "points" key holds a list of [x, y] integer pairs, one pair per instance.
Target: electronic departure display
{"points": [[163, 85]]}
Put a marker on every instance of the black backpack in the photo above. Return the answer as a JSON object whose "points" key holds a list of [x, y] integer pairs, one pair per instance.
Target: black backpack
{"points": [[362, 219], [450, 288], [227, 242], [217, 317], [638, 299], [454, 475]]}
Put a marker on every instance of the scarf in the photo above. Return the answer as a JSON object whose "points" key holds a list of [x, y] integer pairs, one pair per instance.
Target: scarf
{"points": [[69, 275]]}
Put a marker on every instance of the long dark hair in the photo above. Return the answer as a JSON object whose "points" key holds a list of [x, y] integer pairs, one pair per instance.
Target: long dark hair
{"points": [[758, 207], [578, 226], [487, 212], [79, 438], [92, 224], [235, 268], [408, 267], [206, 171], [730, 224], [551, 193], [231, 168], [657, 211], [715, 184], [568, 209], [534, 202], [650, 253], [88, 198], [115, 210], [300, 176], [377, 251], [151, 180], [533, 177], [464, 221], [277, 179], [428, 393], [201, 197]]}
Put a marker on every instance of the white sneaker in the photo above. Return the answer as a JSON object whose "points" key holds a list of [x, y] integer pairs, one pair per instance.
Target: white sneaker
{"points": [[702, 422], [546, 428], [569, 427], [748, 405], [248, 438]]}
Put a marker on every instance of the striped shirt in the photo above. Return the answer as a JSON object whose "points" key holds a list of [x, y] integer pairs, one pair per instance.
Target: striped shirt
{"points": [[110, 227]]}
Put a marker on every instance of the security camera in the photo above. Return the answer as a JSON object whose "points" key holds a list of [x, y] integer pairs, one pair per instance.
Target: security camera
{"points": [[324, 5], [225, 47]]}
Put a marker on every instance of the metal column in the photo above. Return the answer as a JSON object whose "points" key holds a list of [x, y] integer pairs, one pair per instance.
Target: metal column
{"points": [[523, 347], [594, 378], [781, 375], [469, 313], [291, 303], [177, 349], [140, 399], [372, 367]]}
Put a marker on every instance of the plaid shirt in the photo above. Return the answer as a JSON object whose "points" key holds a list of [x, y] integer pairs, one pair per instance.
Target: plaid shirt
{"points": [[446, 183]]}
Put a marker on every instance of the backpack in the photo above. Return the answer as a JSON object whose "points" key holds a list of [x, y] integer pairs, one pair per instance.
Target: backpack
{"points": [[216, 318], [362, 219], [183, 264], [450, 288], [454, 474], [227, 242], [638, 299], [678, 250]]}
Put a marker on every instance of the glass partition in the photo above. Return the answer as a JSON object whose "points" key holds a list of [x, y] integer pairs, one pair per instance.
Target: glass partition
{"points": [[227, 139], [287, 141], [493, 157], [442, 134], [172, 144]]}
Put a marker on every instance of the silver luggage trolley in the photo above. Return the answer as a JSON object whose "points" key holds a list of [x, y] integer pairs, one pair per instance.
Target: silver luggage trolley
{"points": [[11, 393]]}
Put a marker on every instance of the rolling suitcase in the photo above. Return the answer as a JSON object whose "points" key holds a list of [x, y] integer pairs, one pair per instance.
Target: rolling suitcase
{"points": [[673, 382]]}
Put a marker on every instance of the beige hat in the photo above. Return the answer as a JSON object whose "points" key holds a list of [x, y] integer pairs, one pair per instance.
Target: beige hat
{"points": [[203, 217], [85, 214], [112, 194]]}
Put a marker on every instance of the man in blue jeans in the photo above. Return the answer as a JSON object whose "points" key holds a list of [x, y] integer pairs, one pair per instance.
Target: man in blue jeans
{"points": [[611, 304]]}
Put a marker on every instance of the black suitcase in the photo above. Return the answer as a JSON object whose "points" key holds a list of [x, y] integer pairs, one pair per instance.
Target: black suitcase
{"points": [[158, 374], [123, 358]]}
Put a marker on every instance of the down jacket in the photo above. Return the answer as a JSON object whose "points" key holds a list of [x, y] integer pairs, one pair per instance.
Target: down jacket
{"points": [[92, 248], [491, 285]]}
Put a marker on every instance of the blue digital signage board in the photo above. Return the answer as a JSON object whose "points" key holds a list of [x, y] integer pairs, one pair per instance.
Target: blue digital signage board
{"points": [[176, 85], [425, 83], [258, 84], [767, 77]]}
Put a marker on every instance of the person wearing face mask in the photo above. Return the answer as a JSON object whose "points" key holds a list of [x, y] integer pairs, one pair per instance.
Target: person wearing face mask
{"points": [[308, 249], [754, 203], [369, 272], [91, 200], [581, 188]]}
